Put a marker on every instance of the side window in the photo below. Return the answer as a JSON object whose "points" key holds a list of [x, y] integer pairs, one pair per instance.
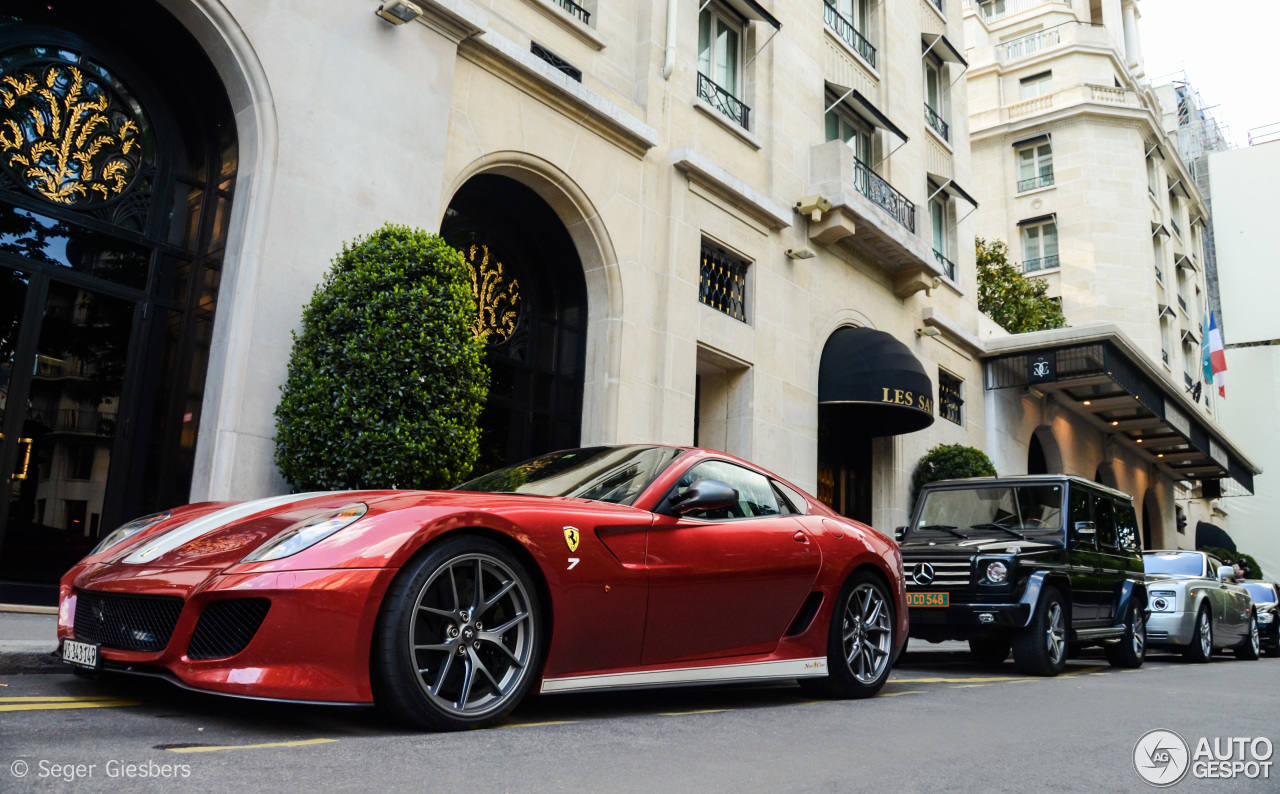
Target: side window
{"points": [[1104, 515], [1214, 565], [756, 496], [795, 500], [1126, 526], [1079, 506]]}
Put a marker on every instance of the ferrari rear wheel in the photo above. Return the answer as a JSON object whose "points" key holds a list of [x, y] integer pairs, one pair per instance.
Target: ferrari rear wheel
{"points": [[859, 642], [459, 637]]}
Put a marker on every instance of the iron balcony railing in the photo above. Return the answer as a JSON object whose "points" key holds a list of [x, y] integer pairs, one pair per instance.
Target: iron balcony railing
{"points": [[949, 268], [1182, 302], [1159, 274], [873, 186], [1186, 376], [1043, 263], [1176, 228], [1164, 354], [845, 30], [723, 101], [575, 10], [98, 423], [1044, 180], [941, 5], [936, 122]]}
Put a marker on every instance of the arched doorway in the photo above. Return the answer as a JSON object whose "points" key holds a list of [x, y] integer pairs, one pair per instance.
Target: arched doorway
{"points": [[1150, 520], [1036, 463], [1043, 454], [112, 227], [1105, 474], [532, 298]]}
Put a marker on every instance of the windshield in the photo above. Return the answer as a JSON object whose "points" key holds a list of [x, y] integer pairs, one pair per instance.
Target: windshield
{"points": [[604, 474], [1186, 564], [1000, 509], [1262, 593]]}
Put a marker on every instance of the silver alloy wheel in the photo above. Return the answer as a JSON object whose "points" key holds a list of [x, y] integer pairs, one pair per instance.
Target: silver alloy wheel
{"points": [[1253, 635], [867, 633], [1139, 633], [1206, 635], [1056, 634], [467, 669]]}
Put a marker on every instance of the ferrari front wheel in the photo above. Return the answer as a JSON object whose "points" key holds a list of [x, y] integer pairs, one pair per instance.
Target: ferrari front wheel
{"points": [[458, 637], [860, 640]]}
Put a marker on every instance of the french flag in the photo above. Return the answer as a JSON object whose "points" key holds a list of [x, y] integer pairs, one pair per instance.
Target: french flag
{"points": [[1217, 357]]}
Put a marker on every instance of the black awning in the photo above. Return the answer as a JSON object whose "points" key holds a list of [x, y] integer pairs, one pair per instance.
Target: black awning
{"points": [[863, 108], [751, 9], [1213, 535], [871, 384]]}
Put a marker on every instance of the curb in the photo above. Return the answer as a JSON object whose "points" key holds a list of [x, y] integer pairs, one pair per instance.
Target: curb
{"points": [[22, 661], [28, 609]]}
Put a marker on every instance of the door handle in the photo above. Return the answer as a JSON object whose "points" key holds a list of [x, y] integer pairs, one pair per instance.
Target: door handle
{"points": [[800, 537]]}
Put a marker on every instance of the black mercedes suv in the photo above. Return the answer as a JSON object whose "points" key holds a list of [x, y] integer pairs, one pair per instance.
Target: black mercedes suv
{"points": [[1039, 564]]}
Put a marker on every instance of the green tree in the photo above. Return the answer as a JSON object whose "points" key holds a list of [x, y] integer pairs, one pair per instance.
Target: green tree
{"points": [[386, 379], [949, 462], [1016, 302]]}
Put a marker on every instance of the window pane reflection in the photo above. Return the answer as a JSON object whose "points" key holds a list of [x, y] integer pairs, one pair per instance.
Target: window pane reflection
{"points": [[53, 242]]}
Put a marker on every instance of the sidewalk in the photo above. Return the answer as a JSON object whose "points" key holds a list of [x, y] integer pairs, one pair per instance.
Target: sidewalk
{"points": [[28, 641]]}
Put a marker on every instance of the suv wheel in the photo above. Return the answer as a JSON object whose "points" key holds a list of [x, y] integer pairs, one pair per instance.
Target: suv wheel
{"points": [[989, 651], [1041, 648], [1131, 650], [1201, 648], [859, 642], [1251, 647]]}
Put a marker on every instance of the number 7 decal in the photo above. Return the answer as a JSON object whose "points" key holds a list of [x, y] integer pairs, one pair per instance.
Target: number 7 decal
{"points": [[573, 563]]}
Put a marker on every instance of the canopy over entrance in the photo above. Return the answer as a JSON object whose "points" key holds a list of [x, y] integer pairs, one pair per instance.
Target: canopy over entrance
{"points": [[871, 384]]}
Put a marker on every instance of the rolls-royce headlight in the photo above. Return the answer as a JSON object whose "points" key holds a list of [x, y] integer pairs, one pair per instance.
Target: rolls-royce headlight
{"points": [[126, 531], [997, 572], [1162, 601], [307, 533]]}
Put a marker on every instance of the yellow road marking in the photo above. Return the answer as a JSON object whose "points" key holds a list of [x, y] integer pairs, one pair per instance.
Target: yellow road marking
{"points": [[908, 692], [538, 724], [57, 699], [685, 713], [1084, 670], [959, 680], [85, 704], [299, 743], [969, 686]]}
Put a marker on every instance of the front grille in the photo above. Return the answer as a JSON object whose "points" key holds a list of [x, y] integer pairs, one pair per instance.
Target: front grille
{"points": [[946, 573], [226, 627], [126, 622]]}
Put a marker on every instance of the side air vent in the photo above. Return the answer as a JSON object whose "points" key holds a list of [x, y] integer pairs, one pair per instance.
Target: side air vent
{"points": [[806, 615], [226, 627]]}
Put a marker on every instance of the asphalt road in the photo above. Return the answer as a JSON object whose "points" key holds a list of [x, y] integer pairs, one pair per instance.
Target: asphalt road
{"points": [[941, 724]]}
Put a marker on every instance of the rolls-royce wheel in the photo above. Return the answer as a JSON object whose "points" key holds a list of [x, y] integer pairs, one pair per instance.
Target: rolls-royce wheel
{"points": [[459, 637], [1131, 650], [1200, 650], [860, 641], [1251, 647], [1041, 648], [990, 651]]}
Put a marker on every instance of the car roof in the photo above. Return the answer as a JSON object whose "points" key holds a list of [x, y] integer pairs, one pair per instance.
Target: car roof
{"points": [[1174, 551], [1027, 479]]}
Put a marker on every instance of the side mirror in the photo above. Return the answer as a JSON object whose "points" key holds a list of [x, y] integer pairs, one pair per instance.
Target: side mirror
{"points": [[899, 533], [1086, 532], [1226, 572], [704, 495]]}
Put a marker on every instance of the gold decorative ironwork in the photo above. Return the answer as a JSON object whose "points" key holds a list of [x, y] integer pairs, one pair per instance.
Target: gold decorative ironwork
{"points": [[66, 137], [497, 295]]}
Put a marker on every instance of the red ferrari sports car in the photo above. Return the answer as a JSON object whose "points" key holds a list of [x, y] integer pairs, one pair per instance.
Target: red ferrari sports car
{"points": [[588, 569]]}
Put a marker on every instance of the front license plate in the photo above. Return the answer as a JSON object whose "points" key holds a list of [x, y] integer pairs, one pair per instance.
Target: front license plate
{"points": [[928, 599], [80, 654]]}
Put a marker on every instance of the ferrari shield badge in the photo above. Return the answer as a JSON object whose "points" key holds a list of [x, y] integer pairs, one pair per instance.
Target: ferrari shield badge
{"points": [[571, 538]]}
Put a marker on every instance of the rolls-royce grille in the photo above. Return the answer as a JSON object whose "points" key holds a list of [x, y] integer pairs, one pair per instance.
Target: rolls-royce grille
{"points": [[126, 622], [925, 574], [226, 627]]}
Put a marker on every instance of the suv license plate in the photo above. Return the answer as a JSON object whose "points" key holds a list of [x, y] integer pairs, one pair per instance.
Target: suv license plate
{"points": [[928, 599], [81, 654]]}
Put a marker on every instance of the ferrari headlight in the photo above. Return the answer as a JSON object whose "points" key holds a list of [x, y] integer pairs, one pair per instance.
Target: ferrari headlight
{"points": [[1163, 600], [130, 529], [997, 572], [307, 533]]}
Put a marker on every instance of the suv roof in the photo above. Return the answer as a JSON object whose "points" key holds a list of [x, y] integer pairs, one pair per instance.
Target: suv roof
{"points": [[1026, 479]]}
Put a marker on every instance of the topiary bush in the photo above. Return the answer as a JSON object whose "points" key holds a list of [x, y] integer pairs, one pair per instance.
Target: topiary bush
{"points": [[1252, 570], [949, 462], [386, 379]]}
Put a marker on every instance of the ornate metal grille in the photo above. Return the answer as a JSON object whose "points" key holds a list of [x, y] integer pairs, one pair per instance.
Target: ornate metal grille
{"points": [[556, 61], [722, 282], [937, 123], [950, 399], [575, 10], [497, 295], [873, 186], [845, 30], [723, 101]]}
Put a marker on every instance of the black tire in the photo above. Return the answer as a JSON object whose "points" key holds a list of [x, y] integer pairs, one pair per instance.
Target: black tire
{"points": [[402, 662], [1201, 648], [1131, 651], [851, 646], [990, 651], [1035, 651], [1250, 648]]}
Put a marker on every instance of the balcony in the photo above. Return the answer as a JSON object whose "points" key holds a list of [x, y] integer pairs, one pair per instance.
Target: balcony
{"points": [[1043, 263], [723, 101], [70, 420], [936, 123], [1182, 302], [1176, 228], [996, 10], [846, 31], [1186, 377], [1159, 274], [575, 10], [1044, 180], [949, 268], [869, 215], [940, 5]]}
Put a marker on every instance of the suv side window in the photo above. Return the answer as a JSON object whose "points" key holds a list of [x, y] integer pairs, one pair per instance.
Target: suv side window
{"points": [[1078, 508], [1104, 517], [756, 496], [1126, 526]]}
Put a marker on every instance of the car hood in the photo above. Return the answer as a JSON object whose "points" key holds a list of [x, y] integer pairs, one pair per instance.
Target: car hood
{"points": [[1177, 580], [988, 545]]}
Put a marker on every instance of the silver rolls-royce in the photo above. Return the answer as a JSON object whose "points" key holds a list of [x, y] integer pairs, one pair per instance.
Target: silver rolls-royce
{"points": [[1197, 606]]}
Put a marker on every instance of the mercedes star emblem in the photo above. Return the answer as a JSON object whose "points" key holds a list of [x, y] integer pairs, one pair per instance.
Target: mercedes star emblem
{"points": [[922, 573]]}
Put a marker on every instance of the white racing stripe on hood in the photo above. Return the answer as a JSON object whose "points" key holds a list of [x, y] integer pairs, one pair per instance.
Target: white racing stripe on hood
{"points": [[186, 533]]}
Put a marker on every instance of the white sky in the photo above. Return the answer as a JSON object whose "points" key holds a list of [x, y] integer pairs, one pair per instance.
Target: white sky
{"points": [[1226, 47]]}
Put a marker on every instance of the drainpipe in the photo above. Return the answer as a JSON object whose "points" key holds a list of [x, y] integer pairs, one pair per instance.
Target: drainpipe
{"points": [[669, 64]]}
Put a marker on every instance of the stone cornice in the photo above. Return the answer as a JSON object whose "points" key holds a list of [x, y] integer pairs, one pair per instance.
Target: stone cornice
{"points": [[701, 169]]}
